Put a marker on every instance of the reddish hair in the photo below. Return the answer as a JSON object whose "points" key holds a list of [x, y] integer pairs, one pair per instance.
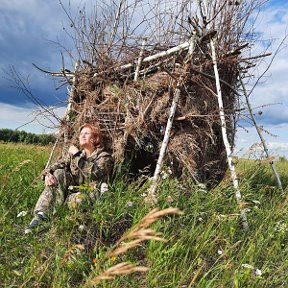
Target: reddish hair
{"points": [[96, 133]]}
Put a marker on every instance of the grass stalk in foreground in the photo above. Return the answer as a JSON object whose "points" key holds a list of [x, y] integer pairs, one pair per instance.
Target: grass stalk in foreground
{"points": [[132, 238]]}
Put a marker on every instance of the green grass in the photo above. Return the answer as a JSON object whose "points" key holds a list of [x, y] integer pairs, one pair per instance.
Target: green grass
{"points": [[206, 247]]}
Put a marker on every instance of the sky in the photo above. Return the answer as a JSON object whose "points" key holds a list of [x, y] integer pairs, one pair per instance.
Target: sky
{"points": [[31, 31]]}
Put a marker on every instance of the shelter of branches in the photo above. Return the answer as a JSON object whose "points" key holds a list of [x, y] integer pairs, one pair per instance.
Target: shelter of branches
{"points": [[127, 77]]}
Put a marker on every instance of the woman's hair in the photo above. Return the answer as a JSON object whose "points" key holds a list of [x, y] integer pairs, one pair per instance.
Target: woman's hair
{"points": [[96, 133]]}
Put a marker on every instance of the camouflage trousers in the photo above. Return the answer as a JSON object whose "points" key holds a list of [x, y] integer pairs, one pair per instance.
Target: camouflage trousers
{"points": [[53, 197]]}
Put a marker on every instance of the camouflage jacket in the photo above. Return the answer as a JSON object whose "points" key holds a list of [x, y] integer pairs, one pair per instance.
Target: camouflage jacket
{"points": [[95, 168]]}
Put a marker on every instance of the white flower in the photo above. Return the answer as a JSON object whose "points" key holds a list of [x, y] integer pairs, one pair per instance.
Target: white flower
{"points": [[149, 147], [103, 188], [169, 199], [164, 175], [129, 204], [81, 227], [247, 266], [220, 252], [201, 185], [22, 214], [258, 272]]}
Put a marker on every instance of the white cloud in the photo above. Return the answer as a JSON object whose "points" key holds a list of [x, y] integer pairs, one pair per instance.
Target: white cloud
{"points": [[13, 117], [278, 145], [273, 87], [275, 136]]}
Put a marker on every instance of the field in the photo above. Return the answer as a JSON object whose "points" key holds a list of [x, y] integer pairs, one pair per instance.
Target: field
{"points": [[205, 247]]}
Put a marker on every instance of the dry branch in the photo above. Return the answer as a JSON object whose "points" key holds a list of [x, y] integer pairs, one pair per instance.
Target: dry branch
{"points": [[261, 137]]}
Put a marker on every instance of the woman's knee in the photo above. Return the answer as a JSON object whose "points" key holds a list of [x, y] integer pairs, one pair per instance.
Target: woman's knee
{"points": [[60, 174]]}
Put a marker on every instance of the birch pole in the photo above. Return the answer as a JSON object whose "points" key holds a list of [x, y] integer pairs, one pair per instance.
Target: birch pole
{"points": [[224, 131], [151, 197], [51, 154], [261, 137], [183, 46], [139, 62], [66, 118]]}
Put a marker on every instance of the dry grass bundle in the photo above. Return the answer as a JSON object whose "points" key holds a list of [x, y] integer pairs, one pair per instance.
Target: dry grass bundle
{"points": [[123, 268]]}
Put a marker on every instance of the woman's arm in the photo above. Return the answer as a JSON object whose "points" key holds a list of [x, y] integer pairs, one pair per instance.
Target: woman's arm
{"points": [[47, 174], [102, 167]]}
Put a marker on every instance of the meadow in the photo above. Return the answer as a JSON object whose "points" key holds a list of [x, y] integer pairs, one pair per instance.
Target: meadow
{"points": [[204, 247]]}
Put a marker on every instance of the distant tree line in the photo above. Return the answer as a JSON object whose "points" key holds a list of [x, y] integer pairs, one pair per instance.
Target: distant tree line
{"points": [[8, 135]]}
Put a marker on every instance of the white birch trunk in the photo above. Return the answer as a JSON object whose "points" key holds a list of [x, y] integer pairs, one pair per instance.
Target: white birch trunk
{"points": [[168, 52], [140, 60], [224, 132], [151, 197]]}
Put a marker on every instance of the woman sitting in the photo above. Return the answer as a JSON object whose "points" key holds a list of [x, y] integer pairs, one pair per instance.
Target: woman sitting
{"points": [[91, 166]]}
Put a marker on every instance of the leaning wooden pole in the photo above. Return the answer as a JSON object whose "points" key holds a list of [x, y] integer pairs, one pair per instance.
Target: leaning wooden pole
{"points": [[67, 115], [66, 119], [139, 62], [151, 196], [52, 152], [259, 132], [224, 131]]}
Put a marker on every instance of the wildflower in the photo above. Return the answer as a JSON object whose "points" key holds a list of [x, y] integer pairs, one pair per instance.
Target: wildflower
{"points": [[281, 227], [81, 227], [94, 260], [149, 147], [258, 272], [113, 259], [22, 214], [201, 185], [103, 188], [164, 175], [241, 205], [247, 266], [169, 199], [220, 252], [129, 204]]}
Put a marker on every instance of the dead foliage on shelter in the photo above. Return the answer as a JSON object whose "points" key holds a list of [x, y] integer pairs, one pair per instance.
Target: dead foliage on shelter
{"points": [[127, 76]]}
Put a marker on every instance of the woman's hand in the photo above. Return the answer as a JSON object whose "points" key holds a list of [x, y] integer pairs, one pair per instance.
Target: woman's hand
{"points": [[73, 150], [50, 180]]}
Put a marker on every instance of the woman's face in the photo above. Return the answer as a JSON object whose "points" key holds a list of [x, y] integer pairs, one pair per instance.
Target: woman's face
{"points": [[86, 138]]}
